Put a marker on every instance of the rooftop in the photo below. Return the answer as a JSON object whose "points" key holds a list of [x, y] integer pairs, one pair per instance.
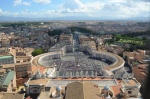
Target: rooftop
{"points": [[3, 48], [138, 55], [2, 70], [6, 78], [28, 51], [82, 90], [11, 95], [38, 82], [42, 69], [131, 82], [98, 81], [5, 55], [23, 57], [8, 66], [22, 63]]}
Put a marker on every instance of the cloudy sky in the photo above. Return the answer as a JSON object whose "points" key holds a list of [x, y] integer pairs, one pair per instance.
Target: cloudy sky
{"points": [[117, 9]]}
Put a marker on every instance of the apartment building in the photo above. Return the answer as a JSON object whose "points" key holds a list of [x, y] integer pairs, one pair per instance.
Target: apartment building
{"points": [[23, 72]]}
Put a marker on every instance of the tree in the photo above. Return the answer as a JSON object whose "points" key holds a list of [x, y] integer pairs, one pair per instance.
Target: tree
{"points": [[133, 48], [147, 44], [54, 32], [37, 52], [82, 29]]}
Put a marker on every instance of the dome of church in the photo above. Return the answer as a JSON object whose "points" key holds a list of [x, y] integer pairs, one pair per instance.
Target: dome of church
{"points": [[58, 88], [106, 87]]}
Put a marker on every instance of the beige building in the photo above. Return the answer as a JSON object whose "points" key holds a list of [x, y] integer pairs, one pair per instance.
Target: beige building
{"points": [[2, 71], [65, 37], [139, 56], [5, 39], [18, 51], [22, 63], [5, 42], [23, 72], [9, 66], [82, 88], [115, 49], [11, 95], [20, 59]]}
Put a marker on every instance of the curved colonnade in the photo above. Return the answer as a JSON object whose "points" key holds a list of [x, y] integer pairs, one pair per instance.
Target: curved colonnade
{"points": [[118, 62], [47, 60]]}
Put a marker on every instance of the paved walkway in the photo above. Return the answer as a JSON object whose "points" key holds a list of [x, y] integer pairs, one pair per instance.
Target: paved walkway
{"points": [[98, 82]]}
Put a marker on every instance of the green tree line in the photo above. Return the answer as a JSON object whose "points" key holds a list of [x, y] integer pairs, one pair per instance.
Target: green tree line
{"points": [[37, 52], [81, 29], [54, 32]]}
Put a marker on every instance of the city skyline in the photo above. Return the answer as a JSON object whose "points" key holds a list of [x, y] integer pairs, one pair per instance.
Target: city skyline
{"points": [[75, 10], [60, 59]]}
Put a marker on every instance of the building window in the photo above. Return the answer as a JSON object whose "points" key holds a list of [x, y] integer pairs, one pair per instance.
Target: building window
{"points": [[129, 92]]}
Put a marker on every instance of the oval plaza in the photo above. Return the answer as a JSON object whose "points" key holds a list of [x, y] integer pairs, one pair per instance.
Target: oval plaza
{"points": [[85, 62]]}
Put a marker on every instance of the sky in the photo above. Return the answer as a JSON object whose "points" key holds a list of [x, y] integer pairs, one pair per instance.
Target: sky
{"points": [[103, 9]]}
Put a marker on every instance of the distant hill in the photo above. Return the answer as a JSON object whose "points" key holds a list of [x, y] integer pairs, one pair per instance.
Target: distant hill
{"points": [[14, 19], [140, 19]]}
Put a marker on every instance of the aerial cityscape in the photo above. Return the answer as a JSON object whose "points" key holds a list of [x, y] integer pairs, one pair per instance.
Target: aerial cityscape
{"points": [[74, 49]]}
